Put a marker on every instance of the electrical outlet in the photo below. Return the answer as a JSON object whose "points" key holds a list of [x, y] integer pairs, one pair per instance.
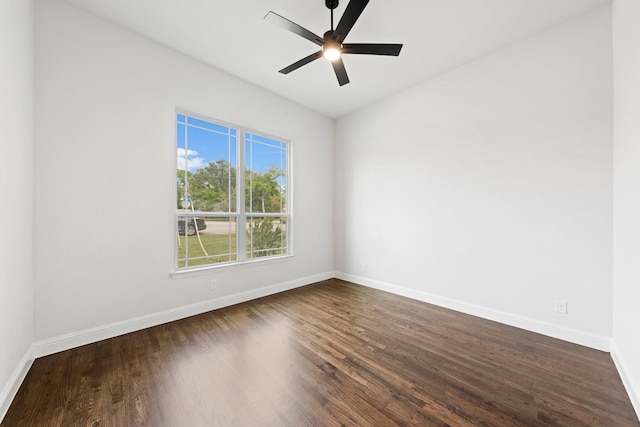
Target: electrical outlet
{"points": [[365, 267], [562, 306], [213, 284]]}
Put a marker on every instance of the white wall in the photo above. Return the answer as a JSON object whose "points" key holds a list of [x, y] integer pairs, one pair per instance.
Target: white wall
{"points": [[488, 188], [105, 173], [626, 332], [16, 194]]}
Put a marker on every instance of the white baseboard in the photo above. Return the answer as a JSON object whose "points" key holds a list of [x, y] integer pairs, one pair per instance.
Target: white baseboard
{"points": [[11, 389], [575, 336], [630, 384], [76, 339]]}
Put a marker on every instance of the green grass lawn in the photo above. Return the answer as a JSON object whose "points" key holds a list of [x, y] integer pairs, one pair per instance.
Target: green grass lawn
{"points": [[219, 248], [264, 239]]}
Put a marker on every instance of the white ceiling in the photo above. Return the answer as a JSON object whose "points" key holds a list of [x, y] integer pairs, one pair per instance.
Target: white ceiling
{"points": [[438, 35]]}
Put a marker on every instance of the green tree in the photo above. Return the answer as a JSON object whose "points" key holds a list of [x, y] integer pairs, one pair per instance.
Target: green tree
{"points": [[262, 191], [181, 181], [264, 238], [211, 188]]}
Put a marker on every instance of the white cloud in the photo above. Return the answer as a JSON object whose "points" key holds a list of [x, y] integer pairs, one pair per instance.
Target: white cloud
{"points": [[182, 152], [188, 159]]}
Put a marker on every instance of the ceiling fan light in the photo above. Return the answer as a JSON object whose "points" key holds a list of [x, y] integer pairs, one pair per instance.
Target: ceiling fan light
{"points": [[331, 51]]}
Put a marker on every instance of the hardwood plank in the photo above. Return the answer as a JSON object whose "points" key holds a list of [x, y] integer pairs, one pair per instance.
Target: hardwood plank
{"points": [[329, 354]]}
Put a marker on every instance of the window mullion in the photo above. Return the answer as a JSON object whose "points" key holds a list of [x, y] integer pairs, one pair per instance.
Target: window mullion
{"points": [[241, 224]]}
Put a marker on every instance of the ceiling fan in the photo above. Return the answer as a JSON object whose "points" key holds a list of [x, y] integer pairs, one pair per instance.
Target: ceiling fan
{"points": [[332, 41]]}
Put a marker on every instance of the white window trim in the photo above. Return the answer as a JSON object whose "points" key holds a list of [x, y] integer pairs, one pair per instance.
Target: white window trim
{"points": [[240, 214]]}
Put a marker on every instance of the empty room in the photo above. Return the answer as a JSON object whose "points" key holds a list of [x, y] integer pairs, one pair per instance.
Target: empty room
{"points": [[320, 213]]}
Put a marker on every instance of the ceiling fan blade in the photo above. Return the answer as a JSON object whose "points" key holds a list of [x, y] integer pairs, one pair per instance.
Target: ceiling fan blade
{"points": [[372, 49], [294, 28], [341, 72], [349, 18], [303, 61]]}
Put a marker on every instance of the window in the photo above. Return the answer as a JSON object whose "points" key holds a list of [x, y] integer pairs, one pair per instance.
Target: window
{"points": [[232, 194]]}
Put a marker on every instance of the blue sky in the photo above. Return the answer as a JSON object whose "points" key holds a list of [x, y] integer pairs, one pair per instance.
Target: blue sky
{"points": [[208, 142]]}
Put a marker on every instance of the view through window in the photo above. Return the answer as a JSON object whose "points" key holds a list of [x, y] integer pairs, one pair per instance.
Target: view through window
{"points": [[231, 195]]}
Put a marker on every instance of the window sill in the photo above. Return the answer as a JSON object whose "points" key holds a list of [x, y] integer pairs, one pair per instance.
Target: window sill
{"points": [[199, 271]]}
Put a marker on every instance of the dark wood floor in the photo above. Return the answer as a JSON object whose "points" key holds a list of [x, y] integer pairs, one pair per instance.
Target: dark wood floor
{"points": [[330, 354]]}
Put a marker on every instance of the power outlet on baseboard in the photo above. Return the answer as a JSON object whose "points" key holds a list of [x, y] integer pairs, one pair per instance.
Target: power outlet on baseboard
{"points": [[561, 306], [213, 285]]}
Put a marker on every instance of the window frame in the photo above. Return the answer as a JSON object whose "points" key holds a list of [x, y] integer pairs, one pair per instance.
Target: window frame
{"points": [[241, 214]]}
